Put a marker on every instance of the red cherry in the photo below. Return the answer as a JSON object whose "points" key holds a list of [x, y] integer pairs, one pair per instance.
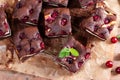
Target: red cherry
{"points": [[106, 21], [49, 20], [63, 21], [96, 17], [31, 11], [87, 55], [42, 45], [54, 14], [109, 64], [114, 40], [117, 70], [80, 63], [25, 18]]}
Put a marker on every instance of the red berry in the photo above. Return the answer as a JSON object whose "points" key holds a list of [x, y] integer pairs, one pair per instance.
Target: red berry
{"points": [[87, 55], [63, 21], [25, 18], [42, 45], [114, 39], [117, 70], [96, 17], [31, 11], [54, 14], [106, 21], [49, 20], [109, 64]]}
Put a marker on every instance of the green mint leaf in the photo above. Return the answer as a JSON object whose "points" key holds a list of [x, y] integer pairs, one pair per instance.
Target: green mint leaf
{"points": [[64, 53], [74, 52]]}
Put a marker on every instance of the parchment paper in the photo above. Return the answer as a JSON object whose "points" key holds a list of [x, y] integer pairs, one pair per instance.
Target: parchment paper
{"points": [[94, 69]]}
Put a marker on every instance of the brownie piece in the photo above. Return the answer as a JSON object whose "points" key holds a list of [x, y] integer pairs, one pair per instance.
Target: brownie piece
{"points": [[5, 30], [73, 55], [28, 11], [28, 42], [57, 2], [88, 3], [57, 22], [100, 23]]}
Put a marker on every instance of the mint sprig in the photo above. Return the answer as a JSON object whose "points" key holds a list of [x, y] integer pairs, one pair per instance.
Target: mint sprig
{"points": [[74, 52], [65, 52]]}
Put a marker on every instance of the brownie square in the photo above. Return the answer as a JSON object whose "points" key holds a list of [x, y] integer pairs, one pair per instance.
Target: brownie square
{"points": [[28, 42], [5, 30], [57, 2], [57, 22], [100, 23], [73, 55], [27, 11], [88, 3]]}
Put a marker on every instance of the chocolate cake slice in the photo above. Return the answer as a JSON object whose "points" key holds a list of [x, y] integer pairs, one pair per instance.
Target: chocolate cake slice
{"points": [[5, 30], [88, 3], [100, 23], [57, 2], [57, 22], [27, 11], [28, 42], [73, 55]]}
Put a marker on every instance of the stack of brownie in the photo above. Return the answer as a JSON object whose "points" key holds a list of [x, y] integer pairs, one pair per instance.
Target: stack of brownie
{"points": [[56, 21]]}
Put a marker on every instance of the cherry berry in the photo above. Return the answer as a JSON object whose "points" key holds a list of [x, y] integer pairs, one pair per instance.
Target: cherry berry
{"points": [[117, 70], [109, 64], [114, 40]]}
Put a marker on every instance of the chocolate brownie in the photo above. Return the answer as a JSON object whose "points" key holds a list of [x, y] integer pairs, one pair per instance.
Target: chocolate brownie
{"points": [[5, 30], [28, 42], [28, 11], [100, 23], [57, 2], [88, 3], [57, 22], [73, 55]]}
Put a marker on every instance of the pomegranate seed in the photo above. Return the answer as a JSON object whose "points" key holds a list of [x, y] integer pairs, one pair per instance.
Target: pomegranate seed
{"points": [[42, 45], [1, 33], [32, 50], [114, 40], [96, 17], [109, 64], [63, 21], [70, 60], [25, 18], [49, 20], [106, 21], [87, 55], [54, 14], [117, 70], [22, 35], [31, 11]]}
